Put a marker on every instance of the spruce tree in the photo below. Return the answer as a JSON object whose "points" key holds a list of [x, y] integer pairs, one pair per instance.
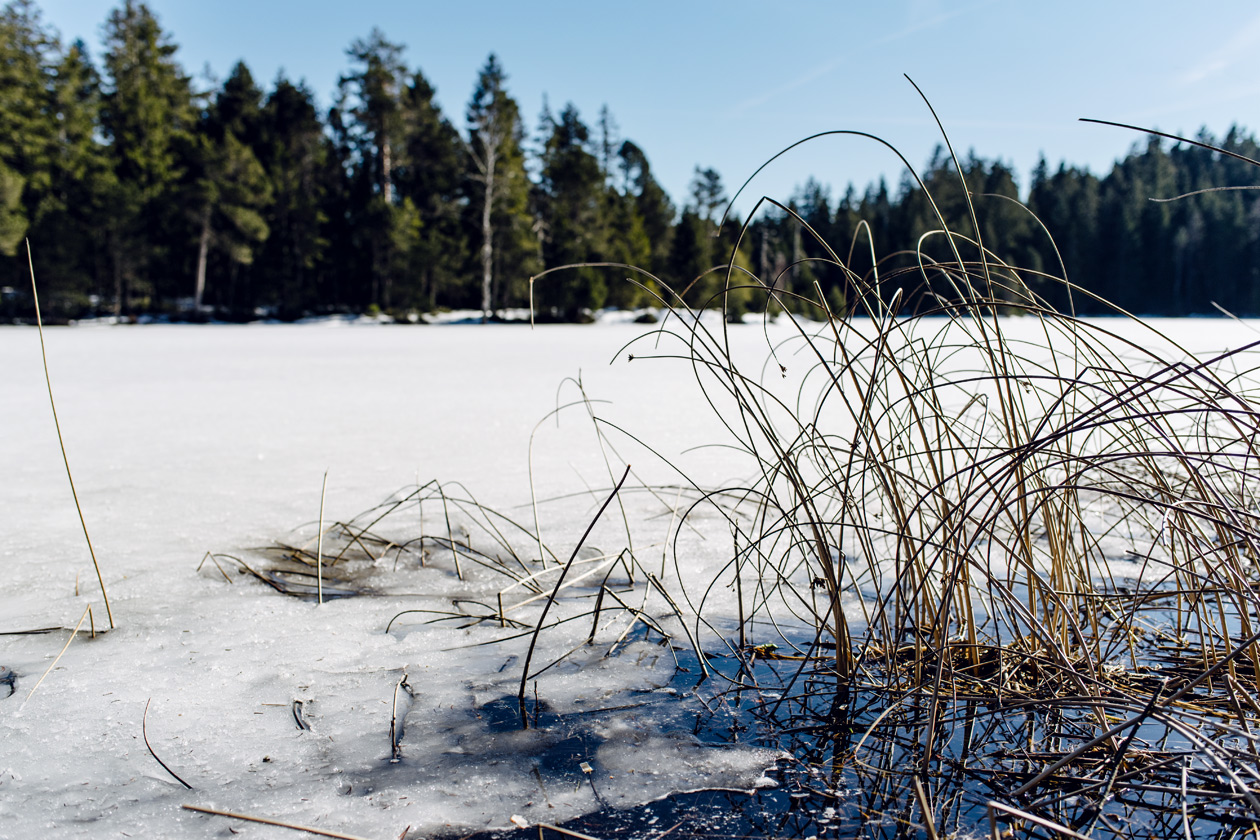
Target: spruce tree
{"points": [[228, 191], [571, 189], [499, 189], [147, 113], [373, 126], [696, 251], [26, 61], [652, 205], [295, 154], [431, 179], [65, 230]]}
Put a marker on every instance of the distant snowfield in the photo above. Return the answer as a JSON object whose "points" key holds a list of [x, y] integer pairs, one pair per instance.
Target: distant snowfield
{"points": [[187, 439]]}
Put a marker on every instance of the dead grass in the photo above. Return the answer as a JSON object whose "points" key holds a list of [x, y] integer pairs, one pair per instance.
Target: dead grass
{"points": [[978, 578], [1023, 571]]}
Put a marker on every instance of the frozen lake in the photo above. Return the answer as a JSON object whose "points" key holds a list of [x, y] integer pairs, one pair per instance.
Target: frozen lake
{"points": [[186, 440]]}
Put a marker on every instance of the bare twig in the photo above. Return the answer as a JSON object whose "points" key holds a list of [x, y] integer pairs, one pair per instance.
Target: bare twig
{"points": [[265, 821], [520, 696], [567, 832], [64, 648], [144, 731], [319, 547]]}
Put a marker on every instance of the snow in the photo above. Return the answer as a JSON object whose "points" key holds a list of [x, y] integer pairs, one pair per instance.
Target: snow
{"points": [[193, 439]]}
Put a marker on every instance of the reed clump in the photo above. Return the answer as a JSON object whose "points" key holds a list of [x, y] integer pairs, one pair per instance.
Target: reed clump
{"points": [[995, 564], [993, 549]]}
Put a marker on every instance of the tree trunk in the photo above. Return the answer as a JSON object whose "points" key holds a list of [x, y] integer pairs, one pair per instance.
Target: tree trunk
{"points": [[798, 254], [763, 257], [387, 175], [203, 251], [487, 230], [117, 257], [118, 281]]}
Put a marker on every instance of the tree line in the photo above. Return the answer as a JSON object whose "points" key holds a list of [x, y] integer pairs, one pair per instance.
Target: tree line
{"points": [[142, 193], [1172, 229]]}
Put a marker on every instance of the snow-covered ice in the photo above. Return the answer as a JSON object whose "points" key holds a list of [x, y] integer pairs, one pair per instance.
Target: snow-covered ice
{"points": [[185, 440]]}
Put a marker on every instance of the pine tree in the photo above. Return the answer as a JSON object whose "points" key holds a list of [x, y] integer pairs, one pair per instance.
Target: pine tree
{"points": [[53, 175], [372, 119], [1067, 204], [807, 255], [571, 205], [696, 251], [147, 113], [228, 191], [26, 59], [65, 234], [651, 204], [430, 178], [500, 192], [371, 96], [690, 257], [294, 153], [707, 193]]}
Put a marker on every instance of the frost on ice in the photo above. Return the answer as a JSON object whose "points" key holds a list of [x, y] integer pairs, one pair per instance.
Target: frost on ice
{"points": [[187, 440]]}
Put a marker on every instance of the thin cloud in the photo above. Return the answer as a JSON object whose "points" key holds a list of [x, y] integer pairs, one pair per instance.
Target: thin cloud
{"points": [[1182, 111], [800, 81], [1242, 45], [826, 67], [931, 22]]}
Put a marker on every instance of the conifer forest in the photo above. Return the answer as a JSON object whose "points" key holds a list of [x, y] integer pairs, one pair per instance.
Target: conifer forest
{"points": [[144, 191]]}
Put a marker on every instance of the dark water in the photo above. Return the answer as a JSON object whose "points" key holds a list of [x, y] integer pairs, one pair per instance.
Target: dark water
{"points": [[855, 756]]}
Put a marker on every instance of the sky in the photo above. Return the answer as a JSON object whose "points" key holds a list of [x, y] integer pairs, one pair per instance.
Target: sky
{"points": [[729, 84]]}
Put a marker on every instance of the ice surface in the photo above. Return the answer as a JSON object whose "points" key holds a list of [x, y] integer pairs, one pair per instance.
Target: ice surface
{"points": [[187, 439]]}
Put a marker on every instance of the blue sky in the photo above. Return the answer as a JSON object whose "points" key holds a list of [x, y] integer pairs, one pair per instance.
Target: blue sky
{"points": [[728, 84]]}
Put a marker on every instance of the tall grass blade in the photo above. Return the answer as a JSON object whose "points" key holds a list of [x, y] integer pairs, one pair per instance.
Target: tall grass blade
{"points": [[39, 323]]}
